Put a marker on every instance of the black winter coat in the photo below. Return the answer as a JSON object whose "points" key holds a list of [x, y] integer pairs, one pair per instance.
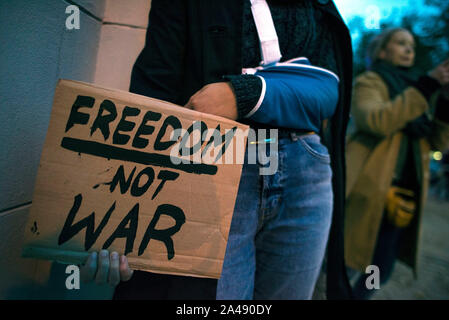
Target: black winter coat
{"points": [[191, 43]]}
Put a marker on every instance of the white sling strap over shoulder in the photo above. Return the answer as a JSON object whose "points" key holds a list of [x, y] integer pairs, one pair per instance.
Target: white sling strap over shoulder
{"points": [[269, 44]]}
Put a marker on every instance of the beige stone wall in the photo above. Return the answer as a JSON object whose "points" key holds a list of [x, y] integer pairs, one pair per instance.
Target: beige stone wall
{"points": [[118, 48], [122, 38], [37, 50]]}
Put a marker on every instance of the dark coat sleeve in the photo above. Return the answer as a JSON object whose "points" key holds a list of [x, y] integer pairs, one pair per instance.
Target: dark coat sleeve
{"points": [[157, 72]]}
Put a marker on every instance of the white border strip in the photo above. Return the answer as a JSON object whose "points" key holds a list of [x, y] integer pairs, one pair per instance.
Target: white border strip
{"points": [[295, 59], [280, 64], [269, 43], [259, 102]]}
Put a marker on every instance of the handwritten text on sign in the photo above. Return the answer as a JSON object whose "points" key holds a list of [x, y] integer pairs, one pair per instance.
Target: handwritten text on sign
{"points": [[148, 159]]}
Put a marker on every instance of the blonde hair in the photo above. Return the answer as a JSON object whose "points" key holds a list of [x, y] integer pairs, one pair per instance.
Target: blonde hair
{"points": [[378, 43]]}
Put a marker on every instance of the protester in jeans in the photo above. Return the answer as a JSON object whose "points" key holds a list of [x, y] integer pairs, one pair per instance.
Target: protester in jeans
{"points": [[194, 56], [399, 118]]}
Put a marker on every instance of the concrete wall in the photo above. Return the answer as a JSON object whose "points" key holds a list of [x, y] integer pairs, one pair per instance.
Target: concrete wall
{"points": [[37, 50]]}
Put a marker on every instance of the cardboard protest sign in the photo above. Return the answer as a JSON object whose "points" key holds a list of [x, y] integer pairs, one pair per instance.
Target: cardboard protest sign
{"points": [[136, 175]]}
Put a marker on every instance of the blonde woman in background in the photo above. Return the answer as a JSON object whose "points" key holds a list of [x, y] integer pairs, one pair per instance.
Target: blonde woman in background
{"points": [[398, 119]]}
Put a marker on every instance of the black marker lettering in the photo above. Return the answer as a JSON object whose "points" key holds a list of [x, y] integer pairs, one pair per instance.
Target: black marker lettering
{"points": [[195, 148], [215, 135], [70, 230], [76, 116], [227, 138], [163, 235], [102, 121], [169, 121], [122, 232], [137, 191], [125, 126], [139, 142], [150, 159], [120, 178], [164, 175]]}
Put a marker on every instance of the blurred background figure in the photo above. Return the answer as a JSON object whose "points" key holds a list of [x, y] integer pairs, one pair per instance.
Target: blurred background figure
{"points": [[428, 20], [398, 118]]}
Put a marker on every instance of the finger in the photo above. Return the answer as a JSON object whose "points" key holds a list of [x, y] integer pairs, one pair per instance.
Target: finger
{"points": [[125, 272], [89, 269], [103, 267], [114, 274]]}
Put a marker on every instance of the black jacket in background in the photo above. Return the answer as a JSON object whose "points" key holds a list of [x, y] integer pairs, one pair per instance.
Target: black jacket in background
{"points": [[191, 43]]}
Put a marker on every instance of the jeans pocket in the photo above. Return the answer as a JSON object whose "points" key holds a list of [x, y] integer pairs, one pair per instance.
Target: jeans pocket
{"points": [[312, 144]]}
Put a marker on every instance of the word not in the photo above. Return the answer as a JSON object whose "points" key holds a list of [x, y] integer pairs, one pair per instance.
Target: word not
{"points": [[73, 280], [137, 189], [73, 20], [373, 281]]}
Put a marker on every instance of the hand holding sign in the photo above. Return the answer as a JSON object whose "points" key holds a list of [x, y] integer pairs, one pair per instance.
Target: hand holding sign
{"points": [[106, 268], [215, 98]]}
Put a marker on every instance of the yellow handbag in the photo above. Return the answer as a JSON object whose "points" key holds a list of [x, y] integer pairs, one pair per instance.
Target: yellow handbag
{"points": [[400, 206]]}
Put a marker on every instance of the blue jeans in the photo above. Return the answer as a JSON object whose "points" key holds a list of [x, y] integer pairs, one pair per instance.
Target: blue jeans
{"points": [[280, 225]]}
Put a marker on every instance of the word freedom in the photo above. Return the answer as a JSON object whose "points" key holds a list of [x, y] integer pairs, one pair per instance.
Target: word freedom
{"points": [[196, 149]]}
